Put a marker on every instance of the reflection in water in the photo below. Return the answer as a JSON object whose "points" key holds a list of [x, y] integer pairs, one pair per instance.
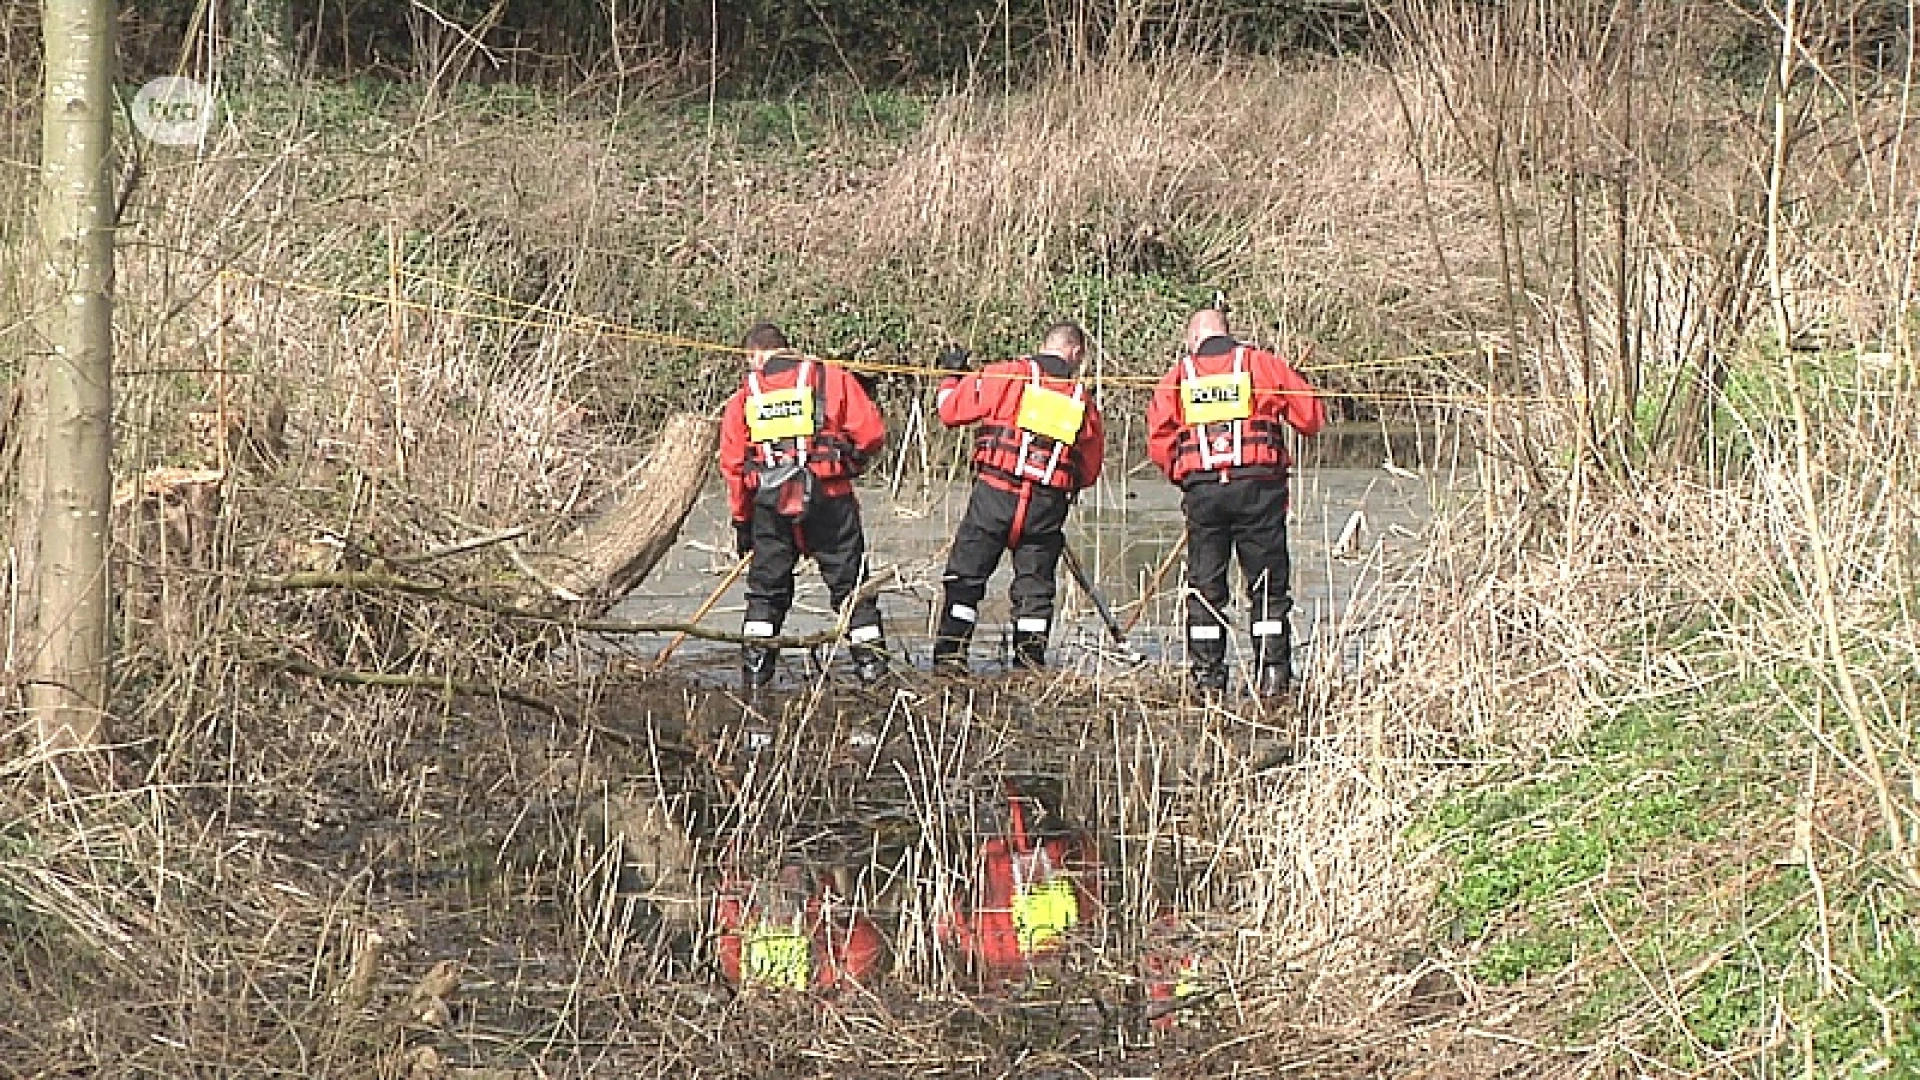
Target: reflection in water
{"points": [[1360, 499]]}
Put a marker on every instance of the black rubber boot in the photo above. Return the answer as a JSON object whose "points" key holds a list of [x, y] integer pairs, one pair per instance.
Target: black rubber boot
{"points": [[1276, 665], [756, 665], [1029, 650], [1207, 656], [954, 632]]}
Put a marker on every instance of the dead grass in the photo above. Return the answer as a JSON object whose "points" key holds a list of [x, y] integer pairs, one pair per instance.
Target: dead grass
{"points": [[270, 884]]}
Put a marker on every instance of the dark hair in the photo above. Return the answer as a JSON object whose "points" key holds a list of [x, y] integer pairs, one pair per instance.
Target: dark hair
{"points": [[763, 337], [1066, 333]]}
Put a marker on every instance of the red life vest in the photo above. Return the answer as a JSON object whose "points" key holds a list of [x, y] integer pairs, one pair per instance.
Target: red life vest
{"points": [[786, 937], [1031, 437], [1026, 897], [1224, 432], [785, 407]]}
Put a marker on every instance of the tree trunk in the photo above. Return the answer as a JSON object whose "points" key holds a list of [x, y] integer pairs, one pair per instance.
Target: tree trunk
{"points": [[593, 567], [262, 30], [69, 663]]}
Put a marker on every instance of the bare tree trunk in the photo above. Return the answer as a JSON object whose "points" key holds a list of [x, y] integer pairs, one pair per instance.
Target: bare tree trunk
{"points": [[595, 565], [69, 663], [262, 35], [1777, 177]]}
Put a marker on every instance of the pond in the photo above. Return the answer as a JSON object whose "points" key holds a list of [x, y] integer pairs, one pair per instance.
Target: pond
{"points": [[1361, 497]]}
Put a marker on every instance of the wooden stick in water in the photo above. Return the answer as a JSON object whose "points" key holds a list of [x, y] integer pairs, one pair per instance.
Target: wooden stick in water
{"points": [[726, 583], [1153, 583]]}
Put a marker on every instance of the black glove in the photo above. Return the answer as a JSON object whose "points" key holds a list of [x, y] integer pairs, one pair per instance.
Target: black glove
{"points": [[742, 537], [955, 359]]}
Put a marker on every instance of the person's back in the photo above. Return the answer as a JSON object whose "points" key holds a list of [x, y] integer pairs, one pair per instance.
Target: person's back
{"points": [[1039, 440], [1216, 426], [792, 440]]}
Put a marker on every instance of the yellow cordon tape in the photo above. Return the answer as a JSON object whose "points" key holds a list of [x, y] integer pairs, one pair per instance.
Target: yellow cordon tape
{"points": [[554, 319]]}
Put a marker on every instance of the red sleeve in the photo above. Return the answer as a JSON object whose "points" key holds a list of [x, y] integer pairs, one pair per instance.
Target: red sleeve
{"points": [[1164, 421], [1296, 402], [966, 399], [1091, 446], [854, 416], [733, 456]]}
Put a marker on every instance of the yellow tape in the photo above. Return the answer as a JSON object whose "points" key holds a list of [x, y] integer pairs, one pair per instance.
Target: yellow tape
{"points": [[557, 320]]}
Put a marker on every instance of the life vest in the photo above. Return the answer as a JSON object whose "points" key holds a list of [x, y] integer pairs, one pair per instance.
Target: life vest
{"points": [[1223, 433], [786, 936], [1026, 898], [784, 423], [1035, 443]]}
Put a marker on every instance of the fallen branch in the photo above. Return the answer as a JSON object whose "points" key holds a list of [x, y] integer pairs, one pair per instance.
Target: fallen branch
{"points": [[394, 681], [377, 581], [462, 547]]}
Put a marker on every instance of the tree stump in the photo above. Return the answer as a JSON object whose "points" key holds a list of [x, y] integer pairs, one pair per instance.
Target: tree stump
{"points": [[172, 522]]}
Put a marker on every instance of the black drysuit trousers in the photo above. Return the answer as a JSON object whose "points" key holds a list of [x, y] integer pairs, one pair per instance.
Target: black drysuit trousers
{"points": [[1247, 518], [832, 534], [1032, 523]]}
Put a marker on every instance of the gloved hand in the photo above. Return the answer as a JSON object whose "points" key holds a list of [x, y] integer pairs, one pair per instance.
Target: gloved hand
{"points": [[742, 537], [955, 359]]}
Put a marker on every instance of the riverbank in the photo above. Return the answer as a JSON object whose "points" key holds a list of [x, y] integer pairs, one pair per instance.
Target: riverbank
{"points": [[1618, 778]]}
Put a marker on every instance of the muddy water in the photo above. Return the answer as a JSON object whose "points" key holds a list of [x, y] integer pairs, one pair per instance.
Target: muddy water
{"points": [[1361, 496]]}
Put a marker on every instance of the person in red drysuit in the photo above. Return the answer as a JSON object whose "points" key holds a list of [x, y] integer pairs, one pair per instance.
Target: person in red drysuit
{"points": [[1038, 443], [792, 440], [1217, 428]]}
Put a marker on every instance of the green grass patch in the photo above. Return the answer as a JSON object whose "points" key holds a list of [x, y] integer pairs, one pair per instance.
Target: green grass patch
{"points": [[1633, 782], [1648, 866], [804, 123]]}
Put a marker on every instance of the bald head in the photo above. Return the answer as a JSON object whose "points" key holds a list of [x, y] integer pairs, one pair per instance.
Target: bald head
{"points": [[1066, 341], [1206, 323]]}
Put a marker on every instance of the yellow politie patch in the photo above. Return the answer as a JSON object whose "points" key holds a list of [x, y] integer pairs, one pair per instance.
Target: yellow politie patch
{"points": [[778, 957], [780, 414], [1043, 913], [1217, 399], [1050, 413]]}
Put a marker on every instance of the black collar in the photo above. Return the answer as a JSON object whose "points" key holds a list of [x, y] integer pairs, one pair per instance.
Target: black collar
{"points": [[1055, 366], [779, 362], [1217, 345]]}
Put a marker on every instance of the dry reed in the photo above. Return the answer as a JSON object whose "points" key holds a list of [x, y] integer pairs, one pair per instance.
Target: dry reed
{"points": [[310, 879]]}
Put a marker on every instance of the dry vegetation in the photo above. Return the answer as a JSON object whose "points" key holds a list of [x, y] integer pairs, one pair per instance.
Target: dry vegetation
{"points": [[299, 876]]}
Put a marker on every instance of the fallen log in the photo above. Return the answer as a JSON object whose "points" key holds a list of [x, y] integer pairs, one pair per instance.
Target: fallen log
{"points": [[590, 568]]}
